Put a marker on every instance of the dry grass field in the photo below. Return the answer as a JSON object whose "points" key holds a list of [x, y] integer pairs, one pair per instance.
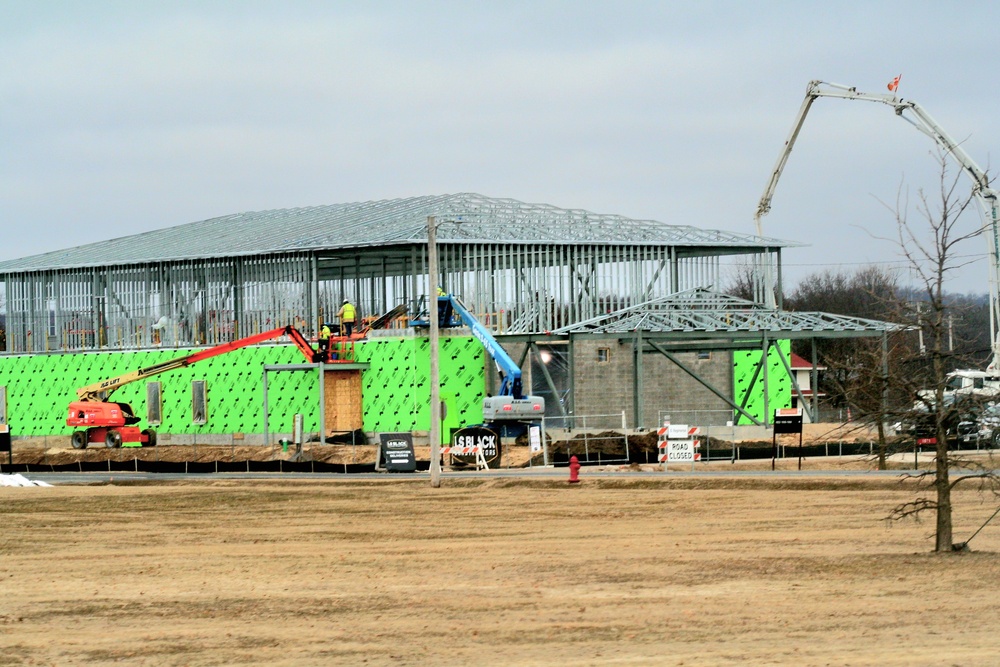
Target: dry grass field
{"points": [[628, 571]]}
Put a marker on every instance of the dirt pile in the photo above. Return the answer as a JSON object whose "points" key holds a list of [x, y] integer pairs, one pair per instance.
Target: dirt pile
{"points": [[512, 456], [593, 447], [58, 456]]}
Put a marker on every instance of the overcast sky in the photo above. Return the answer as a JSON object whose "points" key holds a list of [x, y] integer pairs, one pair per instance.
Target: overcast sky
{"points": [[123, 117]]}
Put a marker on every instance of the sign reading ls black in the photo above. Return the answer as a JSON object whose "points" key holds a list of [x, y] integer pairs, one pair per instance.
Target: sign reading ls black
{"points": [[474, 436], [397, 452]]}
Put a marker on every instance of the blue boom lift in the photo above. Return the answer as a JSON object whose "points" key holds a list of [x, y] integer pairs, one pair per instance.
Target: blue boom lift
{"points": [[510, 403]]}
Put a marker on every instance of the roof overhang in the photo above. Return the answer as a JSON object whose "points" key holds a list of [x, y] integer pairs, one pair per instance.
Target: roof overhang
{"points": [[711, 317], [465, 218]]}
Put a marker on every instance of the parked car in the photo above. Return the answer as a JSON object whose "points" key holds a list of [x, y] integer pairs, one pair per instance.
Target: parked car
{"points": [[969, 422], [983, 428]]}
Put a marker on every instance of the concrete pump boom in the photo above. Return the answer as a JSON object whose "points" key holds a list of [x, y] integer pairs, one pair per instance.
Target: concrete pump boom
{"points": [[913, 113]]}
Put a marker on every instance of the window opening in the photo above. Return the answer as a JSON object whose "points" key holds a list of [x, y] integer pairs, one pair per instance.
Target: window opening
{"points": [[199, 402], [154, 403]]}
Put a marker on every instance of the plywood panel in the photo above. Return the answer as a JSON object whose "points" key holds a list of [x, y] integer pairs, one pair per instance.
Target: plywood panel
{"points": [[342, 400]]}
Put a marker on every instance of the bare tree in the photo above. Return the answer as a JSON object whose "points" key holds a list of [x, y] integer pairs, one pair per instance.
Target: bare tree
{"points": [[870, 292], [743, 280], [876, 381], [931, 254], [860, 373]]}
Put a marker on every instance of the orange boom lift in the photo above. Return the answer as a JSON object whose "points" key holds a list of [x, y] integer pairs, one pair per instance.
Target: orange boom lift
{"points": [[113, 424]]}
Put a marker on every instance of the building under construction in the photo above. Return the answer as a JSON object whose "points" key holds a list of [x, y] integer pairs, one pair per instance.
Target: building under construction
{"points": [[592, 291], [526, 268]]}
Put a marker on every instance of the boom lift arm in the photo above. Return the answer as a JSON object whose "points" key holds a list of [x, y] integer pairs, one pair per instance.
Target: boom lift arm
{"points": [[101, 391], [510, 385], [114, 423], [510, 402], [913, 113]]}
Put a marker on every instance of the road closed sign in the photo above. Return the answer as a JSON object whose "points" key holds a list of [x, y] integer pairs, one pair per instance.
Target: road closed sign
{"points": [[680, 451]]}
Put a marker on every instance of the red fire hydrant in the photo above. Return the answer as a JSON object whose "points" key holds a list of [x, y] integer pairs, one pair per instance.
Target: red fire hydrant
{"points": [[574, 470]]}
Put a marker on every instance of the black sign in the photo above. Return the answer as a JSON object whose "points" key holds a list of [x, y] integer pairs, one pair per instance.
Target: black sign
{"points": [[476, 436], [5, 443], [396, 452], [789, 422]]}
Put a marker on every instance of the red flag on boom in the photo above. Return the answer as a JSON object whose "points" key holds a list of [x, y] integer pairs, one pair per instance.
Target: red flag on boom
{"points": [[894, 84]]}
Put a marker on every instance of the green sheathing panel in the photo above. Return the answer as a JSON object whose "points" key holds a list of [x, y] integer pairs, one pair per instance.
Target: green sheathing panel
{"points": [[40, 388], [395, 391], [779, 385], [396, 387]]}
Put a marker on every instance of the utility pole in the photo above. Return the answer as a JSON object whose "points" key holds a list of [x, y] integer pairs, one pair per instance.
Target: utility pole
{"points": [[432, 309]]}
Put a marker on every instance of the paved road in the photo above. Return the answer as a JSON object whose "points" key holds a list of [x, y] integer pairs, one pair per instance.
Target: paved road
{"points": [[520, 473]]}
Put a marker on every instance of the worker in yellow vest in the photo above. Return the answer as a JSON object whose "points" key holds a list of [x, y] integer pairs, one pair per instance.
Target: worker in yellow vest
{"points": [[324, 340], [347, 315]]}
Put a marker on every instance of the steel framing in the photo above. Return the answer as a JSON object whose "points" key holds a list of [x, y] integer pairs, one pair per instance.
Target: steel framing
{"points": [[522, 268], [701, 319]]}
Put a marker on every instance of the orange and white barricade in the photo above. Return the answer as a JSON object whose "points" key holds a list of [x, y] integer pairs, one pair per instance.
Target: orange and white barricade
{"points": [[678, 444], [467, 451]]}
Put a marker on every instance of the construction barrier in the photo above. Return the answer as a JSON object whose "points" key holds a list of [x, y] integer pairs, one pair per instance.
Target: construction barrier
{"points": [[476, 451], [677, 443]]}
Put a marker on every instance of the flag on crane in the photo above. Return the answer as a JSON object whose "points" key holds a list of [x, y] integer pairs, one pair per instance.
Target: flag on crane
{"points": [[894, 84]]}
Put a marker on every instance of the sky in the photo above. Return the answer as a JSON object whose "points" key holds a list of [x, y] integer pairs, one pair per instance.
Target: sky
{"points": [[122, 117]]}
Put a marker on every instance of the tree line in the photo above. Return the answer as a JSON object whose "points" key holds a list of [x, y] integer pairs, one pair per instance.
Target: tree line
{"points": [[878, 293]]}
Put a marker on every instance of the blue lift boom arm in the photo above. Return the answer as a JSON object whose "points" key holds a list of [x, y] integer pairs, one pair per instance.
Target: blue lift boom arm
{"points": [[448, 307], [510, 404]]}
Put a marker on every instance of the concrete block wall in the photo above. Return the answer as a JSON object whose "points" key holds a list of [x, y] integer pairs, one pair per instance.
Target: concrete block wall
{"points": [[606, 387], [603, 387]]}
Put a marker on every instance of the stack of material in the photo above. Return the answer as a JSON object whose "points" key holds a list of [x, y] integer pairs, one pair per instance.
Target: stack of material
{"points": [[20, 480]]}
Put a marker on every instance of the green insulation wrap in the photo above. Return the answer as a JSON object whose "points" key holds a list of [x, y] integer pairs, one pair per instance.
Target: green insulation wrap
{"points": [[395, 388], [779, 385]]}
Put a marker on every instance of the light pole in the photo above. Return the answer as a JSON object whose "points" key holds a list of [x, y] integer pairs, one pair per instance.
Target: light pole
{"points": [[432, 309]]}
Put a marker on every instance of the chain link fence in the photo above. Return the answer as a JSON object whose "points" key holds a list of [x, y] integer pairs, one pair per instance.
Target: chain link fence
{"points": [[591, 438]]}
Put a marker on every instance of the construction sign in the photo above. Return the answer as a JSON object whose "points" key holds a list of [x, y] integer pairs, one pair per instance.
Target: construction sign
{"points": [[475, 444], [677, 444], [396, 452], [788, 420]]}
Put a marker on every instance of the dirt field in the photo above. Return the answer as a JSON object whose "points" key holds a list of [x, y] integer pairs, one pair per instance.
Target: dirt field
{"points": [[629, 571]]}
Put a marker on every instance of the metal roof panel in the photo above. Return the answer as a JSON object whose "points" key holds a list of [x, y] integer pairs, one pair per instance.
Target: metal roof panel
{"points": [[465, 218]]}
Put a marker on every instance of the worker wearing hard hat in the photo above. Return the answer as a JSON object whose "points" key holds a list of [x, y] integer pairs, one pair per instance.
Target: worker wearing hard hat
{"points": [[347, 315], [324, 339]]}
